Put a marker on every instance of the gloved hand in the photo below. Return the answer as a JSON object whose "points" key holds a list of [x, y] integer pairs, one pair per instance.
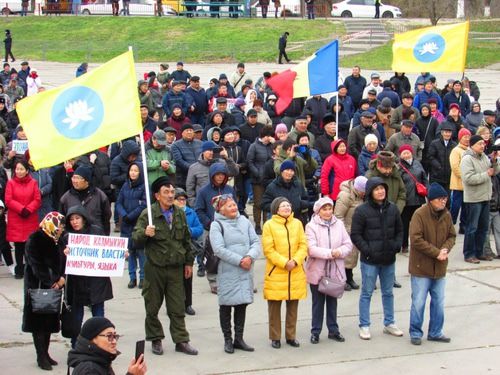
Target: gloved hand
{"points": [[25, 212], [126, 219]]}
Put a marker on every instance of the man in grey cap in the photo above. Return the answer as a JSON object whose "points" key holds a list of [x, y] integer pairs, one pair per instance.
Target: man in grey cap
{"points": [[170, 134], [158, 158], [374, 84], [356, 138], [198, 131]]}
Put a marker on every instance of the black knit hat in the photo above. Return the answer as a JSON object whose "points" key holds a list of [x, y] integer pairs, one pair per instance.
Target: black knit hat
{"points": [[84, 172], [92, 327]]}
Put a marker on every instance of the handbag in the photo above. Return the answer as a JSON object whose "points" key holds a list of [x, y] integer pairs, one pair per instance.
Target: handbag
{"points": [[421, 188], [210, 260], [70, 326], [332, 286], [45, 301]]}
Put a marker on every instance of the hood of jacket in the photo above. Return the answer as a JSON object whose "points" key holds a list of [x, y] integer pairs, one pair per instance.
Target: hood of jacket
{"points": [[86, 351], [371, 185], [129, 148], [79, 210], [218, 168], [140, 180]]}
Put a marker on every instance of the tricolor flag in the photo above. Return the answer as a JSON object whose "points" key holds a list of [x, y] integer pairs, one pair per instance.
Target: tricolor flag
{"points": [[431, 49], [316, 75], [94, 110]]}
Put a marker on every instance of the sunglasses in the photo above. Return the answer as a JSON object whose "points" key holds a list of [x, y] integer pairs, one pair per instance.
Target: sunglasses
{"points": [[111, 336]]}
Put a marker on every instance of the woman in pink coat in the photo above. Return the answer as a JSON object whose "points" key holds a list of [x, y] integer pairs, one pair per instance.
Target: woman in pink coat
{"points": [[337, 168], [23, 199], [327, 245]]}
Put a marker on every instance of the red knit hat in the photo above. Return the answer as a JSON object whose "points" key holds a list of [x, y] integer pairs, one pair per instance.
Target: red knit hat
{"points": [[406, 147], [463, 132]]}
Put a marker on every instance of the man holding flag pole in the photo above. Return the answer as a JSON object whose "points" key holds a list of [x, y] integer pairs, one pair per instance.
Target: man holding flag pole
{"points": [[86, 114]]}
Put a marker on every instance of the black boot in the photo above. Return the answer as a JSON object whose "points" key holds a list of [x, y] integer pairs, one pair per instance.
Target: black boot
{"points": [[350, 280], [53, 362], [239, 326], [41, 355], [225, 325]]}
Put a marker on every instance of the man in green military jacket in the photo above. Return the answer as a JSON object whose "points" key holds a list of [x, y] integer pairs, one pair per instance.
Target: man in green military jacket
{"points": [[169, 260]]}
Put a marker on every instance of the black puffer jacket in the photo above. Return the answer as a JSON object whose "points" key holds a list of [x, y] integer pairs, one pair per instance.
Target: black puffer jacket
{"points": [[87, 358], [293, 191], [377, 229], [438, 157], [119, 165]]}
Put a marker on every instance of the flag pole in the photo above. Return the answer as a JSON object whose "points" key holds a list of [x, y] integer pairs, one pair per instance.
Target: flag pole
{"points": [[145, 172], [337, 116]]}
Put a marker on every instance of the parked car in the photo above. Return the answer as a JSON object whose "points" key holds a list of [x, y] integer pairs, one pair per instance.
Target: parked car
{"points": [[137, 8], [11, 7], [363, 9]]}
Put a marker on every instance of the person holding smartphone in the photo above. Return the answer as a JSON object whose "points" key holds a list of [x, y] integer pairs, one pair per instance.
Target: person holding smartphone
{"points": [[96, 349]]}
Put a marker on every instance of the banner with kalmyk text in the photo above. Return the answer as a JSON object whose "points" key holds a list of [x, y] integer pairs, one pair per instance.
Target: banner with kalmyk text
{"points": [[91, 255]]}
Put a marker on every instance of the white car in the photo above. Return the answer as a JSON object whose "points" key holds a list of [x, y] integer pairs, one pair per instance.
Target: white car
{"points": [[363, 9], [11, 7], [136, 7]]}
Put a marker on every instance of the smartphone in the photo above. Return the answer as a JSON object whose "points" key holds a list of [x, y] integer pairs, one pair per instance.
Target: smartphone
{"points": [[139, 349]]}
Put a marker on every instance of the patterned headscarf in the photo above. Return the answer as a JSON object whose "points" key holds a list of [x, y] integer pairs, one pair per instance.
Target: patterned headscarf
{"points": [[220, 200], [51, 225]]}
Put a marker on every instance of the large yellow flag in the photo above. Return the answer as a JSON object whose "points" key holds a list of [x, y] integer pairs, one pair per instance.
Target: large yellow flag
{"points": [[94, 110], [431, 49]]}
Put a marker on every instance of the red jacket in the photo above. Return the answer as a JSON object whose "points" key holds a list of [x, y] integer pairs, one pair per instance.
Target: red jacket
{"points": [[22, 193], [335, 170]]}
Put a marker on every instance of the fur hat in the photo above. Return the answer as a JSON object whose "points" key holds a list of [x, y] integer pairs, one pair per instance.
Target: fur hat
{"points": [[386, 159]]}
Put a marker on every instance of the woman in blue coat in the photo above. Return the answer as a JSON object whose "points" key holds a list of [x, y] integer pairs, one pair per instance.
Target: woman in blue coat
{"points": [[129, 205], [196, 230], [235, 242]]}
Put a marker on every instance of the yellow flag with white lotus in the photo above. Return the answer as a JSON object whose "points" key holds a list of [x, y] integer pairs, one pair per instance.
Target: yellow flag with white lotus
{"points": [[431, 49], [92, 111]]}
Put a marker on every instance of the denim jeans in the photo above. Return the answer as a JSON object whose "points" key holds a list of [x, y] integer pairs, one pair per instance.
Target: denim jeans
{"points": [[97, 310], [134, 256], [478, 221], [456, 205], [318, 309], [369, 275], [420, 286]]}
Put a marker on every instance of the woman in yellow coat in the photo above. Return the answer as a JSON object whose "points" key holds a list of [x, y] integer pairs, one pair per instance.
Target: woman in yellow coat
{"points": [[285, 248]]}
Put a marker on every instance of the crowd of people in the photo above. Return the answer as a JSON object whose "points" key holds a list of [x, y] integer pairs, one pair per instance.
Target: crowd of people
{"points": [[392, 175]]}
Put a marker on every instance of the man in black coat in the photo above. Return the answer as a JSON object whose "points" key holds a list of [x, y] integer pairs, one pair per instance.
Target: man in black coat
{"points": [[323, 143], [8, 46], [438, 157], [282, 47], [250, 130], [377, 231], [355, 85], [289, 186]]}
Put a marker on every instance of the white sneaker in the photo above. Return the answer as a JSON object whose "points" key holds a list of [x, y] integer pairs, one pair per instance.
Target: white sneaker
{"points": [[364, 333], [12, 268], [392, 329]]}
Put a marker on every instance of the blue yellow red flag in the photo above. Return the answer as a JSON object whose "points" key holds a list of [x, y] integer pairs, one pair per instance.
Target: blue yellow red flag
{"points": [[316, 75], [92, 111], [431, 49]]}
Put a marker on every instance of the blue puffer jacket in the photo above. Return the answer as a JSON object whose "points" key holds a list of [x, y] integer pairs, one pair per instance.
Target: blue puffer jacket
{"points": [[130, 203], [194, 223], [203, 205], [364, 159]]}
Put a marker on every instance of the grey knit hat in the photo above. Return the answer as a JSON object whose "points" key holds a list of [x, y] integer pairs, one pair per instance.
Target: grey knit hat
{"points": [[276, 203]]}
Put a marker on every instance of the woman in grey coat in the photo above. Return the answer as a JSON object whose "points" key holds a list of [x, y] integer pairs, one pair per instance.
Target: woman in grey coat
{"points": [[235, 242]]}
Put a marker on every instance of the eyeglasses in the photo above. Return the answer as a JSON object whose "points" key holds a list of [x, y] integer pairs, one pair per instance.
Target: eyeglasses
{"points": [[181, 199], [111, 336]]}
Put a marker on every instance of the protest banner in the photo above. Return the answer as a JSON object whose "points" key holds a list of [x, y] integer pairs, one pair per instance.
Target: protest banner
{"points": [[19, 146], [91, 255]]}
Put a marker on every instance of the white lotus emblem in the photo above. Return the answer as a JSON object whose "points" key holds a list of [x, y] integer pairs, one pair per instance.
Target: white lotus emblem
{"points": [[77, 111], [429, 48]]}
